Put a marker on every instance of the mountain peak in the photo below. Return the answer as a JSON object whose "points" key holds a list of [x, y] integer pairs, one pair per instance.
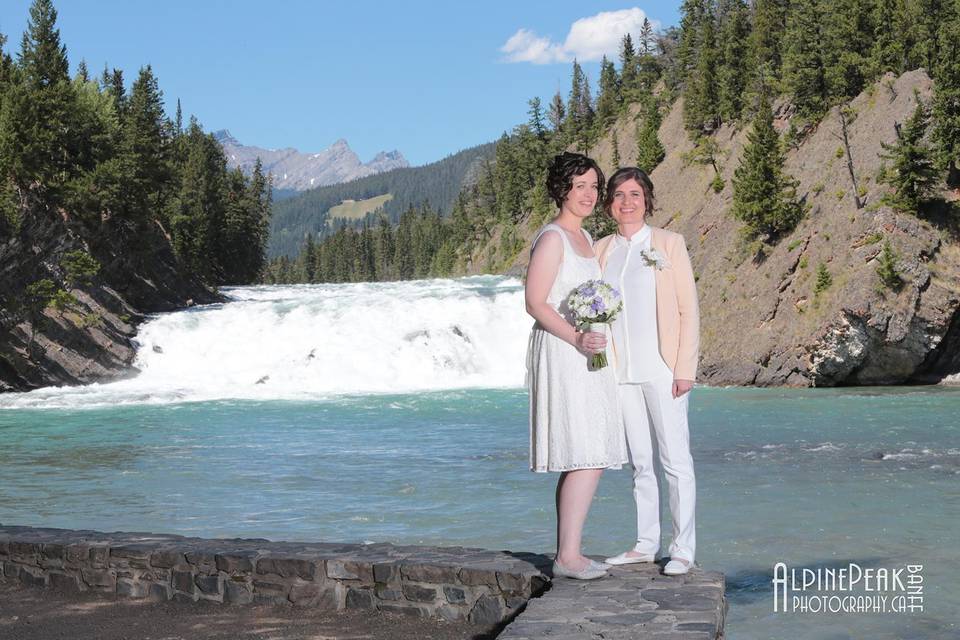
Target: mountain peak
{"points": [[223, 136], [292, 169]]}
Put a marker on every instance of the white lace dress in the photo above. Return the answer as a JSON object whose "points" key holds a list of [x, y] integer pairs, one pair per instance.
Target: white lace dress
{"points": [[574, 412]]}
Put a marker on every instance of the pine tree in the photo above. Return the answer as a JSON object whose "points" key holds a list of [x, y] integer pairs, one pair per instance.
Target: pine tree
{"points": [[946, 100], [366, 270], [309, 254], [693, 15], [890, 29], [574, 123], [733, 69], [38, 143], [178, 123], [887, 267], [912, 172], [766, 35], [608, 101], [764, 196], [928, 16], [649, 149], [118, 91], [846, 48], [701, 105], [629, 77], [804, 72], [144, 146], [383, 251], [647, 38], [586, 115], [536, 118], [259, 197], [557, 114], [823, 281], [43, 57], [615, 146], [198, 208]]}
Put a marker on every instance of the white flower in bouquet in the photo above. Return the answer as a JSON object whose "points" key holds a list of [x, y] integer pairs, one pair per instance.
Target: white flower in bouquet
{"points": [[595, 304]]}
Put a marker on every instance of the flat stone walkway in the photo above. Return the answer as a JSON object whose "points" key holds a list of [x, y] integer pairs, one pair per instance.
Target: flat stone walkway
{"points": [[634, 601]]}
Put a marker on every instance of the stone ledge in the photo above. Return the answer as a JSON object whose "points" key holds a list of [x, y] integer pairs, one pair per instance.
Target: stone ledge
{"points": [[456, 583]]}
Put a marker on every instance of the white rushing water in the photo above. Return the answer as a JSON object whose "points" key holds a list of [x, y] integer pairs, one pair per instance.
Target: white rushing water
{"points": [[311, 341]]}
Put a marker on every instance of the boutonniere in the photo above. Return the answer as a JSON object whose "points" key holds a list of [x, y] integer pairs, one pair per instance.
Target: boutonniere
{"points": [[654, 259]]}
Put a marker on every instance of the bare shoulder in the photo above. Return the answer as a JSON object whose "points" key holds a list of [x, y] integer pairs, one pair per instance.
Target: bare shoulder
{"points": [[549, 238]]}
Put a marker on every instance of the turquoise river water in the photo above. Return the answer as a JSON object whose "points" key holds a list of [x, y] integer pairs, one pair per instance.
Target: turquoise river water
{"points": [[812, 478]]}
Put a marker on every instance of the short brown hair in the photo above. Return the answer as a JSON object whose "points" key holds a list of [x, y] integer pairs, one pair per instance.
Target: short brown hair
{"points": [[562, 171], [630, 173]]}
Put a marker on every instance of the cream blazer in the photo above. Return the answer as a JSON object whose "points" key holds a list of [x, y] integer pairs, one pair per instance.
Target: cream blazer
{"points": [[678, 314]]}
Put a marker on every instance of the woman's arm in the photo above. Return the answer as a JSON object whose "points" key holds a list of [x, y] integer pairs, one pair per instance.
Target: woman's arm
{"points": [[686, 287], [541, 274]]}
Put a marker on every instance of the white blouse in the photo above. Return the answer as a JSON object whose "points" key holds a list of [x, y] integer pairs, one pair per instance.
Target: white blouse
{"points": [[636, 347]]}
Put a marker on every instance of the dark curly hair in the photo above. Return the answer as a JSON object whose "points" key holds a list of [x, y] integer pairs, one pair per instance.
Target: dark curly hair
{"points": [[562, 171], [630, 173]]}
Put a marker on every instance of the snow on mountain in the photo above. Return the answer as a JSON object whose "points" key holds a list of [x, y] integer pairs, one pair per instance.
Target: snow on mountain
{"points": [[299, 171]]}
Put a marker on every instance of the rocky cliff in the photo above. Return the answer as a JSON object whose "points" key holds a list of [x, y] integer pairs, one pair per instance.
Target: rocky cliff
{"points": [[762, 321], [293, 170], [91, 339]]}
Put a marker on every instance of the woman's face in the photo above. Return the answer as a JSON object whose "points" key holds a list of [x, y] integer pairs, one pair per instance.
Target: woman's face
{"points": [[629, 205], [583, 195]]}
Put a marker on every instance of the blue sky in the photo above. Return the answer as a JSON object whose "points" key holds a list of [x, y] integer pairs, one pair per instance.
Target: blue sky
{"points": [[427, 78]]}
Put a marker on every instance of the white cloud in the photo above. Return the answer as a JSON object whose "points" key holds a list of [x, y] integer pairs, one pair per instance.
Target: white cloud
{"points": [[588, 40], [526, 46]]}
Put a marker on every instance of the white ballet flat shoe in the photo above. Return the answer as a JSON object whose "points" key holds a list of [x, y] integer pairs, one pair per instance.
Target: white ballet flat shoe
{"points": [[623, 558], [592, 571], [677, 567]]}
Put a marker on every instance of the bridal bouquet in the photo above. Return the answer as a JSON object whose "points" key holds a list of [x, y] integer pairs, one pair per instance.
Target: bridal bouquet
{"points": [[595, 304]]}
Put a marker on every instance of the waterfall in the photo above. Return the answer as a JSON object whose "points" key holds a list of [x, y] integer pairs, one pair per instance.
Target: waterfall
{"points": [[310, 341]]}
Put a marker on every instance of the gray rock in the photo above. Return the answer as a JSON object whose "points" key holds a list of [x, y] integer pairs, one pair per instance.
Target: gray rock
{"points": [[419, 594], [64, 582], [32, 577], [306, 594], [129, 588], [239, 562], [387, 593], [287, 567], [454, 595], [487, 610], [452, 613], [103, 578], [99, 556], [473, 576], [350, 570], [385, 572], [158, 592], [238, 592], [166, 559], [360, 599], [183, 579], [210, 585], [428, 573]]}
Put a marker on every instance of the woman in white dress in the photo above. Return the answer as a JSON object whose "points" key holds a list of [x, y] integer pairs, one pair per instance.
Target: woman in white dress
{"points": [[575, 425]]}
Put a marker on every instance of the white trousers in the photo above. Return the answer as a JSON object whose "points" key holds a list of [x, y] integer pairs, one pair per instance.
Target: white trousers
{"points": [[651, 415]]}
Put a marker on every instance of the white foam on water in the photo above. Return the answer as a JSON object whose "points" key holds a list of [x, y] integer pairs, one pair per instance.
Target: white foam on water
{"points": [[314, 341]]}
